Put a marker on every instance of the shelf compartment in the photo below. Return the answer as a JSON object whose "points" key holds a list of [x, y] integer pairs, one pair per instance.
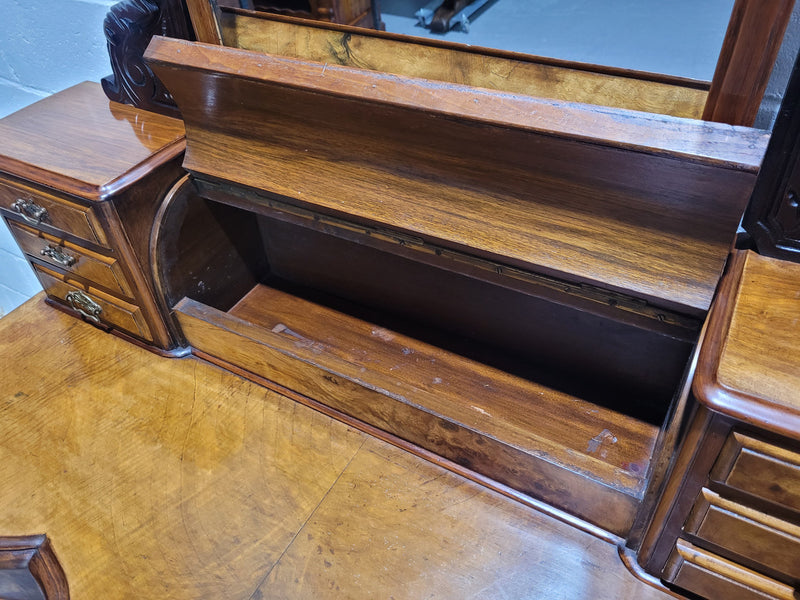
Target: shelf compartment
{"points": [[580, 457]]}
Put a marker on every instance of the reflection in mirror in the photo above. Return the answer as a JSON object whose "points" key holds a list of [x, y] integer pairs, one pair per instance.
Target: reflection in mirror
{"points": [[357, 13], [680, 37]]}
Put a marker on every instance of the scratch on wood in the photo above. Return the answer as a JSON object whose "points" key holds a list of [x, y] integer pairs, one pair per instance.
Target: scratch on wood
{"points": [[300, 340], [599, 439], [383, 334], [480, 410]]}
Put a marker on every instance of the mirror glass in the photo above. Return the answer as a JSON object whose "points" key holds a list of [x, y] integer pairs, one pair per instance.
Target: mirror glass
{"points": [[682, 38]]}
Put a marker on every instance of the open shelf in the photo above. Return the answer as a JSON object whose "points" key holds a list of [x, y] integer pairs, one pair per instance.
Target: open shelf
{"points": [[535, 390], [582, 457]]}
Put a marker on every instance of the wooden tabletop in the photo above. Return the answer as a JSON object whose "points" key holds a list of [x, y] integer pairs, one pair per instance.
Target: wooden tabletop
{"points": [[80, 142], [170, 478], [749, 365]]}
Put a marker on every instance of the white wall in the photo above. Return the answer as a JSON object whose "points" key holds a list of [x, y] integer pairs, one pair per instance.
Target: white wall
{"points": [[45, 46]]}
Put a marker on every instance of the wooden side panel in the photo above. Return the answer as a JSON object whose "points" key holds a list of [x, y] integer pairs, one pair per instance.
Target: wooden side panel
{"points": [[632, 202], [571, 82], [704, 436], [198, 250]]}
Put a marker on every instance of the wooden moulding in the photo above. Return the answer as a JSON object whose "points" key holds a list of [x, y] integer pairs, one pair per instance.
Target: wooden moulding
{"points": [[101, 148], [457, 63], [532, 438], [203, 14], [747, 367], [638, 203], [711, 576], [35, 555]]}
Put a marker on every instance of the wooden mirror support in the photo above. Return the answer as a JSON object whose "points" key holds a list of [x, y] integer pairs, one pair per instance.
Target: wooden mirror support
{"points": [[29, 570], [773, 216], [751, 45]]}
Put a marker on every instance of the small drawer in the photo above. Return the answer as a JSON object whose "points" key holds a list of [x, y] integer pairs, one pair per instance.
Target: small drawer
{"points": [[94, 304], [761, 469], [101, 270], [710, 576], [36, 208], [759, 539]]}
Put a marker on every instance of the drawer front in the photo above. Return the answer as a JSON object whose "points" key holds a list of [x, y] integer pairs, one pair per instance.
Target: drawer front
{"points": [[97, 305], [710, 576], [101, 270], [759, 539], [761, 469], [36, 207]]}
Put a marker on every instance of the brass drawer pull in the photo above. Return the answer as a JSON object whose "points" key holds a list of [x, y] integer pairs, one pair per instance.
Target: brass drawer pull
{"points": [[84, 305], [58, 255], [30, 211]]}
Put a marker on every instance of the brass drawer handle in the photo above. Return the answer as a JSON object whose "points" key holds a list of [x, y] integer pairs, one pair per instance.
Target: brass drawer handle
{"points": [[84, 305], [30, 211], [58, 255]]}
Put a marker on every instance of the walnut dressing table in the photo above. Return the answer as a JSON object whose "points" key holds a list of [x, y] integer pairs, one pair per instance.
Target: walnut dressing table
{"points": [[516, 288]]}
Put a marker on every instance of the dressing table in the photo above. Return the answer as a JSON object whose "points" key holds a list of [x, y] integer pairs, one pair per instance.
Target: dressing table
{"points": [[538, 294]]}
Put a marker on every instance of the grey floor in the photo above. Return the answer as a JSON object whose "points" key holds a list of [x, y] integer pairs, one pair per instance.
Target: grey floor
{"points": [[677, 37]]}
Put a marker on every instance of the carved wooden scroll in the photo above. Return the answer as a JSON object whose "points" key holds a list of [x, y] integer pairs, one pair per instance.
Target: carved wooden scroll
{"points": [[773, 216], [128, 27]]}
